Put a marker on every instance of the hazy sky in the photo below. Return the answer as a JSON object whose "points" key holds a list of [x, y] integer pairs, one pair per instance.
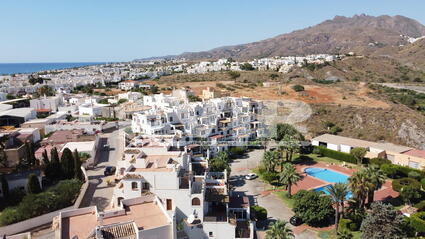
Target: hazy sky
{"points": [[121, 30]]}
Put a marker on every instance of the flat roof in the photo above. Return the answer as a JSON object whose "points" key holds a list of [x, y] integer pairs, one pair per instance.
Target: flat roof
{"points": [[80, 226], [19, 112], [146, 215], [80, 146]]}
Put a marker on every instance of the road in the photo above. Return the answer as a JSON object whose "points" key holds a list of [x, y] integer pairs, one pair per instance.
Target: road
{"points": [[257, 190], [99, 193]]}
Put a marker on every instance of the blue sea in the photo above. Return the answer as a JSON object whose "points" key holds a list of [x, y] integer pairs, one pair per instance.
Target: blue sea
{"points": [[15, 68]]}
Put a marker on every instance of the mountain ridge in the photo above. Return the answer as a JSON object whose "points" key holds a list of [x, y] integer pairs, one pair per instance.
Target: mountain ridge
{"points": [[362, 34]]}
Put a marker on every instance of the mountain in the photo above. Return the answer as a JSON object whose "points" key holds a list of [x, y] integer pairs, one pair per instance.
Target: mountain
{"points": [[362, 34]]}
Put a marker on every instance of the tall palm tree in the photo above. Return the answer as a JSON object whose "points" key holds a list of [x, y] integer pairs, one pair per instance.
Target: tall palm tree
{"points": [[338, 193], [279, 230], [270, 160], [289, 176], [359, 185], [376, 179]]}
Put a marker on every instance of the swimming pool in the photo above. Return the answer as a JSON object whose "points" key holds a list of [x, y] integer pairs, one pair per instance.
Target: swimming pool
{"points": [[328, 176]]}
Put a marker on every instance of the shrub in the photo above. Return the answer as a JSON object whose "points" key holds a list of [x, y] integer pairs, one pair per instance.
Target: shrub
{"points": [[415, 175], [390, 170], [398, 171], [313, 208], [417, 220], [354, 226], [59, 196], [343, 224], [423, 183], [379, 161], [398, 184], [236, 151], [337, 155], [259, 212], [298, 88], [420, 206]]}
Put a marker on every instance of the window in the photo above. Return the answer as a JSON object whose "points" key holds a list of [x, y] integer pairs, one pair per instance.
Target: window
{"points": [[134, 185], [169, 204], [196, 202], [145, 186], [211, 234]]}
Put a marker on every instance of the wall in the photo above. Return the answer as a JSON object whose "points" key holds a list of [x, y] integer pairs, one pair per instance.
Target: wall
{"points": [[221, 230], [157, 233], [333, 147]]}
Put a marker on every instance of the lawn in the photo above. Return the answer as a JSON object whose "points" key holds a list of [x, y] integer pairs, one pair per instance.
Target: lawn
{"points": [[332, 235], [324, 159]]}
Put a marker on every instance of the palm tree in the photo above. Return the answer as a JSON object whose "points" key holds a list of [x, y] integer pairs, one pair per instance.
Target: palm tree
{"points": [[344, 234], [376, 179], [289, 176], [279, 230], [338, 192], [359, 185], [270, 159]]}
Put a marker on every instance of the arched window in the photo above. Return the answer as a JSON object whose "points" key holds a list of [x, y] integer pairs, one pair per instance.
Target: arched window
{"points": [[119, 200], [134, 185], [196, 202]]}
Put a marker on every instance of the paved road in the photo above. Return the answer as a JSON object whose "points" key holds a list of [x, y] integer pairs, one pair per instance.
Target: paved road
{"points": [[99, 193]]}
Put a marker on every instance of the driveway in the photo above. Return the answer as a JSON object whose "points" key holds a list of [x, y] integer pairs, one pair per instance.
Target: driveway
{"points": [[99, 193], [257, 190]]}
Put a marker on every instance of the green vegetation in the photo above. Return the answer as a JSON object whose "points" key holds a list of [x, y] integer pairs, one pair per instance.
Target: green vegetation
{"points": [[259, 212], [298, 88], [32, 205], [283, 195], [34, 80], [120, 101], [279, 230], [289, 176], [383, 221], [410, 98], [313, 208], [359, 153], [194, 98], [33, 185], [220, 163], [234, 74], [246, 67], [398, 184], [325, 82], [336, 155]]}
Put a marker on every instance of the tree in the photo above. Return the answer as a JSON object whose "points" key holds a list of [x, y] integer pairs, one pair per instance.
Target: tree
{"points": [[219, 163], [67, 164], [78, 174], [3, 155], [359, 153], [246, 67], [234, 75], [338, 193], [288, 145], [313, 207], [376, 179], [33, 185], [29, 154], [289, 176], [279, 230], [344, 234], [45, 157], [4, 186], [273, 76], [383, 221], [410, 194], [270, 160], [359, 186], [281, 130], [298, 88]]}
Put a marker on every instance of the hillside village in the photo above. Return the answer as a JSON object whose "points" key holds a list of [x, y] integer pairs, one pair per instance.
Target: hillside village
{"points": [[210, 145]]}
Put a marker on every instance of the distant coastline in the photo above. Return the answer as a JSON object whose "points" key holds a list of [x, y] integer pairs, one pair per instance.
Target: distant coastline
{"points": [[17, 68]]}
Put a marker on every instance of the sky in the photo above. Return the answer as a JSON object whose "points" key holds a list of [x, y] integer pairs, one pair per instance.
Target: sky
{"points": [[111, 30]]}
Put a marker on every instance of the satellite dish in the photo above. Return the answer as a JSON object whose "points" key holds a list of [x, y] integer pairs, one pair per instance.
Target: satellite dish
{"points": [[191, 219]]}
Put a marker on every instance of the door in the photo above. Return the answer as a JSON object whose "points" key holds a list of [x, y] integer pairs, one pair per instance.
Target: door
{"points": [[169, 204]]}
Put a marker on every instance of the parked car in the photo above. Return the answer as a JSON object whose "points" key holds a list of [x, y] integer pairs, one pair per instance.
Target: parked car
{"points": [[251, 176], [295, 221], [109, 170]]}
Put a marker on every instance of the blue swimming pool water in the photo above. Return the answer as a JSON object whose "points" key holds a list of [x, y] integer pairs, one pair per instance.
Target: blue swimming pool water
{"points": [[328, 176]]}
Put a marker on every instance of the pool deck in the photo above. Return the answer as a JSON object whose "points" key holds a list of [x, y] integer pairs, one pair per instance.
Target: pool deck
{"points": [[308, 182]]}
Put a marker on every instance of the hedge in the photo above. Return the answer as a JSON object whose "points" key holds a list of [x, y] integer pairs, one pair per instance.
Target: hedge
{"points": [[336, 155], [420, 206], [417, 221], [379, 161], [398, 184], [259, 212], [423, 183], [398, 171], [59, 196]]}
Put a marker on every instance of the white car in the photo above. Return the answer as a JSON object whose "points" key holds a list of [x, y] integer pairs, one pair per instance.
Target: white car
{"points": [[250, 176]]}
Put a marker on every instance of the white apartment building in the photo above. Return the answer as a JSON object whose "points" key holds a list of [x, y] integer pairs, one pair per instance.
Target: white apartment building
{"points": [[51, 103], [223, 122], [199, 200]]}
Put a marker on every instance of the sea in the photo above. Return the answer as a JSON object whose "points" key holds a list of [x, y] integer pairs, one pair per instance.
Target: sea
{"points": [[16, 68]]}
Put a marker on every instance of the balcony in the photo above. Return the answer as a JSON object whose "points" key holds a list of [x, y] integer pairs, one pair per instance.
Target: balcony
{"points": [[216, 213]]}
